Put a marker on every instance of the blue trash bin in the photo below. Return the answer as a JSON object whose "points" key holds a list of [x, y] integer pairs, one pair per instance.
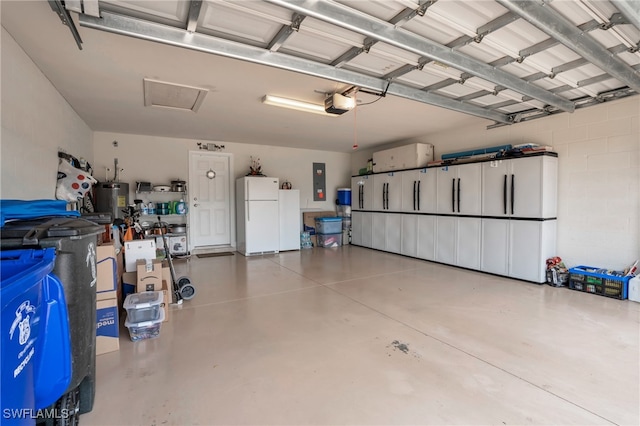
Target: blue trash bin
{"points": [[36, 347]]}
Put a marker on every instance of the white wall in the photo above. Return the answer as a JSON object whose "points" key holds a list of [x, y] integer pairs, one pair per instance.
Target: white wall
{"points": [[37, 122], [599, 181], [159, 160]]}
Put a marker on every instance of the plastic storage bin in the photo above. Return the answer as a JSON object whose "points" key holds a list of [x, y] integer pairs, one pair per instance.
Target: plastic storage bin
{"points": [[145, 329], [590, 280], [74, 240], [328, 225], [144, 306], [35, 344], [330, 240]]}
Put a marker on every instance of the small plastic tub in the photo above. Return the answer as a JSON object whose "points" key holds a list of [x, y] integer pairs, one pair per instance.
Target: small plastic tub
{"points": [[330, 240], [328, 225], [144, 306], [144, 330]]}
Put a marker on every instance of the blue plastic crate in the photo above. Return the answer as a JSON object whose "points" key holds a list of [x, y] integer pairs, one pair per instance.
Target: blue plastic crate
{"points": [[590, 279]]}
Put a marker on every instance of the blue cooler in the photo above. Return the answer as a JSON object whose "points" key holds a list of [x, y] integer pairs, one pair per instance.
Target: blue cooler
{"points": [[36, 347], [344, 197]]}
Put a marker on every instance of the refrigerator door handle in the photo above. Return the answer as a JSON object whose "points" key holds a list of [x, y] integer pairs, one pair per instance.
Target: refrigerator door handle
{"points": [[418, 195], [248, 211]]}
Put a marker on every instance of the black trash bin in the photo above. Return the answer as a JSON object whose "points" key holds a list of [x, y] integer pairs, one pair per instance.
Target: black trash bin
{"points": [[75, 241]]}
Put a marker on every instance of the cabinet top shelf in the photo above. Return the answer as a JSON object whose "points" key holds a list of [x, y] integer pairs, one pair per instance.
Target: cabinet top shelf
{"points": [[463, 161]]}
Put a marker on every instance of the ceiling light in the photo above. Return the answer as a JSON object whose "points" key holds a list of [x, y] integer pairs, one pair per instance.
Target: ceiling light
{"points": [[297, 105]]}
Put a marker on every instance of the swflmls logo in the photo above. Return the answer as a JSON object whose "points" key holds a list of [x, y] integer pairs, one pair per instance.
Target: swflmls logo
{"points": [[30, 413]]}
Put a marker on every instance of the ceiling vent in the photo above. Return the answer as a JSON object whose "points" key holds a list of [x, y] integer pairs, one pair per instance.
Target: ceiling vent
{"points": [[170, 95]]}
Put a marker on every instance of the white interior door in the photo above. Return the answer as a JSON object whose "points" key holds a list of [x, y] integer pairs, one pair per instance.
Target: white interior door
{"points": [[211, 217]]}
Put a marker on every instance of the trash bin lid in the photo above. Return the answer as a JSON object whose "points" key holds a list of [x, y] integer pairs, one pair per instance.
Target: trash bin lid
{"points": [[101, 218], [57, 227], [33, 209]]}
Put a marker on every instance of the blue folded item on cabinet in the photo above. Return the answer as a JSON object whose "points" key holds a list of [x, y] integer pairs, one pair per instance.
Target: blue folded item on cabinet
{"points": [[478, 151], [33, 209]]}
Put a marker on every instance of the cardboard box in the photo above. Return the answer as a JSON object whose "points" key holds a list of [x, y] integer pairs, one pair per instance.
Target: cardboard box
{"points": [[309, 222], [149, 275], [107, 269], [138, 249], [166, 272], [168, 299], [178, 245], [129, 282], [107, 326]]}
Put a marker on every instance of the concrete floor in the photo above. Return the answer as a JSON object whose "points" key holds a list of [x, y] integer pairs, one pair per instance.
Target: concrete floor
{"points": [[356, 336]]}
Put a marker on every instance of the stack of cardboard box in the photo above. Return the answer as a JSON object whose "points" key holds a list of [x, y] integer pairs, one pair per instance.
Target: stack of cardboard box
{"points": [[150, 275]]}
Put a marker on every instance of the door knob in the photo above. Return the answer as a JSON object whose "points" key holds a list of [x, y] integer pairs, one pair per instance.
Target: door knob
{"points": [[196, 205]]}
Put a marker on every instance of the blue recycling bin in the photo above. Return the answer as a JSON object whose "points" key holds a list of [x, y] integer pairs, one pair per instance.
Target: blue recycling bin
{"points": [[35, 344]]}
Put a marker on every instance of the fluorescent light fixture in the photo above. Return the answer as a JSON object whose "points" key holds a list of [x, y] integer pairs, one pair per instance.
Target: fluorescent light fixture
{"points": [[297, 105]]}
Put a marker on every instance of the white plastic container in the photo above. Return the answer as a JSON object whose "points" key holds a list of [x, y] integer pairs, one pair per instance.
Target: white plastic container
{"points": [[144, 306], [634, 289], [403, 157], [144, 329]]}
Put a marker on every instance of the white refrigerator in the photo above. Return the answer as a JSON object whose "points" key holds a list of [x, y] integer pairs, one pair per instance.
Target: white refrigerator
{"points": [[257, 218]]}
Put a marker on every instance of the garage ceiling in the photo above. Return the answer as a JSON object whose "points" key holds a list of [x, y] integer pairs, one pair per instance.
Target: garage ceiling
{"points": [[501, 62]]}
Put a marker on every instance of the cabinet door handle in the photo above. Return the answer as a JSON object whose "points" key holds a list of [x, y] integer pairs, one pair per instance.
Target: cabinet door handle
{"points": [[513, 191], [384, 198], [414, 195], [458, 195], [504, 194], [418, 195], [453, 195], [387, 195]]}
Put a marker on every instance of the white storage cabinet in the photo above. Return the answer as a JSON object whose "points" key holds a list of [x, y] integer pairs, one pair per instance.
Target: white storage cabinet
{"points": [[419, 190], [520, 187], [387, 192], [459, 189], [362, 192]]}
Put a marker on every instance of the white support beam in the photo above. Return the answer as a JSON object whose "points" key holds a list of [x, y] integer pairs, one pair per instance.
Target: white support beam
{"points": [[346, 17], [558, 27], [178, 37]]}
